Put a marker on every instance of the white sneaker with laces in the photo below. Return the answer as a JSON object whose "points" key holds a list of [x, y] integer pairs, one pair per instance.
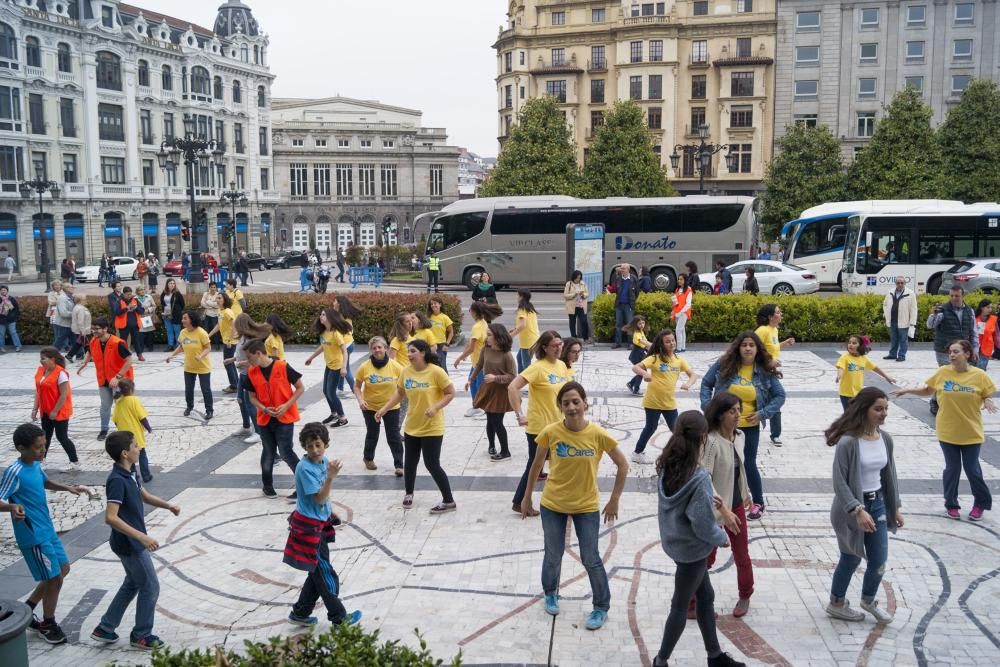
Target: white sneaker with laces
{"points": [[639, 457], [881, 615], [472, 412], [253, 439]]}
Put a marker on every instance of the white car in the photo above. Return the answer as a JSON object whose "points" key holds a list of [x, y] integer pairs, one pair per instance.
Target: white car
{"points": [[125, 267], [773, 277]]}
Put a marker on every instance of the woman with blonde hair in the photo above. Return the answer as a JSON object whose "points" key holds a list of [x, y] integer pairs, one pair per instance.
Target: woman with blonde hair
{"points": [[80, 327]]}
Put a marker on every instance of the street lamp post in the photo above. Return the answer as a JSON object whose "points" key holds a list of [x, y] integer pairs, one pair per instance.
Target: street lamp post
{"points": [[41, 186], [232, 196], [703, 152], [193, 150]]}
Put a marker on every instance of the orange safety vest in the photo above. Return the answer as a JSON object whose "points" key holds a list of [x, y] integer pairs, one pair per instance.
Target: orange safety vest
{"points": [[986, 339], [48, 394], [121, 321], [274, 392], [682, 299], [109, 364]]}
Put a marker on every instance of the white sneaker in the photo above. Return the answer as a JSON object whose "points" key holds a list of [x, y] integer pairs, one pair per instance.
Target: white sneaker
{"points": [[639, 457], [881, 615], [344, 394], [473, 412], [253, 439], [247, 429]]}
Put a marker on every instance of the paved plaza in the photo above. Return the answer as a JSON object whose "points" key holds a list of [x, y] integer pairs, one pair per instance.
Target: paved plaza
{"points": [[470, 580]]}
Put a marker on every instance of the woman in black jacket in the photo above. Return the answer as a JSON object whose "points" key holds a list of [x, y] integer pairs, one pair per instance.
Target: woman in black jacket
{"points": [[750, 284], [172, 307], [484, 289]]}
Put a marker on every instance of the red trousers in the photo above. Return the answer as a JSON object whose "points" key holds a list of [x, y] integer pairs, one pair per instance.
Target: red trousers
{"points": [[741, 554]]}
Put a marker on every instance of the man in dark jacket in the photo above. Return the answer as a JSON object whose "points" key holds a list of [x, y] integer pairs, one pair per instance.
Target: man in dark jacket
{"points": [[626, 289], [9, 312], [952, 321]]}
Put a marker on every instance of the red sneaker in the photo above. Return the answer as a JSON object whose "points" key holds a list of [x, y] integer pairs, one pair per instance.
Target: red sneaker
{"points": [[955, 514], [976, 514]]}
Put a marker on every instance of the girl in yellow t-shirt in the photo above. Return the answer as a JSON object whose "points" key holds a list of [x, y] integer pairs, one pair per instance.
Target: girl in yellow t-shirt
{"points": [[574, 447], [963, 392], [331, 329], [572, 350], [130, 415], [526, 329], [349, 312], [428, 389], [423, 329], [400, 334], [274, 345], [442, 328], [196, 345], [661, 369], [769, 317], [639, 349], [374, 386], [851, 369], [227, 315], [482, 314]]}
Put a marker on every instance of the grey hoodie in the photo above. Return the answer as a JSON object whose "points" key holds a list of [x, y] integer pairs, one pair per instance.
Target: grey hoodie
{"points": [[688, 531]]}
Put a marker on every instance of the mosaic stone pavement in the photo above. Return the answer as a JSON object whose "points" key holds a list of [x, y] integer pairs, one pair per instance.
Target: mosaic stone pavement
{"points": [[470, 580]]}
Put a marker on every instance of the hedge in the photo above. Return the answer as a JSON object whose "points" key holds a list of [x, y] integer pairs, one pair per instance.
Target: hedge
{"points": [[340, 646], [809, 318], [299, 311]]}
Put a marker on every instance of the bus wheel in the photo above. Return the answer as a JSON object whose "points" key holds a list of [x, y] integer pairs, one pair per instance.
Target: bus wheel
{"points": [[471, 277], [664, 280], [933, 285]]}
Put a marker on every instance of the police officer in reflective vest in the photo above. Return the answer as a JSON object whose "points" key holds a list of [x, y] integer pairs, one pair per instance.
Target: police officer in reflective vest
{"points": [[433, 271]]}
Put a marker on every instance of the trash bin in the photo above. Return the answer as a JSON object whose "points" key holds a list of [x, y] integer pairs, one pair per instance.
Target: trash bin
{"points": [[14, 618]]}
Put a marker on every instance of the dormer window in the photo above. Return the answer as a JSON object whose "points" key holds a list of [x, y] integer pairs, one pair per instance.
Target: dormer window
{"points": [[108, 16]]}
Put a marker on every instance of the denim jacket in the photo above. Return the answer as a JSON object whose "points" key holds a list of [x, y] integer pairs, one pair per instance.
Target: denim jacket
{"points": [[770, 393]]}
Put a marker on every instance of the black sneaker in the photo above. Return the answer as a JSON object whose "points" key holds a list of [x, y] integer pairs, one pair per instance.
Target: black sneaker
{"points": [[270, 493], [103, 636], [102, 435], [493, 451], [209, 415], [147, 643], [34, 624], [51, 632], [502, 456], [725, 660], [187, 411], [294, 495]]}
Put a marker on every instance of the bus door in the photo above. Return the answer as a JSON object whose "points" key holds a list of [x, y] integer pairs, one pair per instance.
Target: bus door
{"points": [[886, 251]]}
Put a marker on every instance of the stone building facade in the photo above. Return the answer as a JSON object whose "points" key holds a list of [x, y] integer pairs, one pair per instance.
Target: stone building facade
{"points": [[89, 89], [344, 166]]}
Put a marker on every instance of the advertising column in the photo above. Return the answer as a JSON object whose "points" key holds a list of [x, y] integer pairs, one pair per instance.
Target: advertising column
{"points": [[585, 253]]}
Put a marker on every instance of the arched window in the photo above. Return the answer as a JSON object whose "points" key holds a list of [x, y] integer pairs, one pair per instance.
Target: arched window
{"points": [[261, 97], [237, 92], [32, 52], [201, 82], [217, 88], [245, 53], [109, 71], [63, 55], [167, 78], [143, 73], [8, 42]]}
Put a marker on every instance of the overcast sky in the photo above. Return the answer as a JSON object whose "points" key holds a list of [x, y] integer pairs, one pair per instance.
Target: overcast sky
{"points": [[433, 56]]}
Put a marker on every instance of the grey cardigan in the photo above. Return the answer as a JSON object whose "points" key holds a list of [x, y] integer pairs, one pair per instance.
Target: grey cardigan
{"points": [[848, 494]]}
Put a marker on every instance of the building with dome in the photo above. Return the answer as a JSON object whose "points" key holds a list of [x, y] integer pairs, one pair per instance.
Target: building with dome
{"points": [[88, 91]]}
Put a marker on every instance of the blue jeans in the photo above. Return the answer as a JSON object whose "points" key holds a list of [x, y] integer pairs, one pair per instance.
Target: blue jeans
{"points": [[898, 342], [957, 457], [442, 358], [349, 377], [523, 358], [12, 328], [173, 331], [140, 579], [228, 352], [775, 424], [983, 361], [144, 465], [275, 440], [330, 378], [247, 411], [623, 315], [587, 528], [876, 553], [61, 337], [751, 441], [652, 419], [477, 382]]}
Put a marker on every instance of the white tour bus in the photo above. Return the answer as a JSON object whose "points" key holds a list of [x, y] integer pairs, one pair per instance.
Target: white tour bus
{"points": [[522, 240], [815, 240], [920, 245]]}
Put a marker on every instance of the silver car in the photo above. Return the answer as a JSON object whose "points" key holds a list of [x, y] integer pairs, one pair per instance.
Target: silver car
{"points": [[972, 275]]}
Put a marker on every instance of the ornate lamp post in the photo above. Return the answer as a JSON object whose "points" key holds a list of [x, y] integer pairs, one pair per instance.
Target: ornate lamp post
{"points": [[41, 186], [702, 152], [233, 196], [193, 150]]}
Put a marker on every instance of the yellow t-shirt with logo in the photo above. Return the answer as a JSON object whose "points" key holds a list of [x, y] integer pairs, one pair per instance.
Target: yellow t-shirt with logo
{"points": [[128, 416], [544, 379], [573, 460], [639, 340], [440, 323], [743, 389], [274, 347], [663, 386], [332, 342], [193, 343], [478, 334], [426, 335], [529, 334], [349, 336], [379, 384], [853, 379], [226, 318], [423, 389], [960, 404], [236, 295], [769, 336], [401, 358]]}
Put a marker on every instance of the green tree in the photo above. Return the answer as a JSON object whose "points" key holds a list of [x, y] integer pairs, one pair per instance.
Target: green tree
{"points": [[539, 156], [622, 162], [970, 144], [903, 159], [806, 170]]}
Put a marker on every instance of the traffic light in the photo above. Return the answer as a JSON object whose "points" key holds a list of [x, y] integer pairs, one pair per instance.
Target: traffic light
{"points": [[201, 217]]}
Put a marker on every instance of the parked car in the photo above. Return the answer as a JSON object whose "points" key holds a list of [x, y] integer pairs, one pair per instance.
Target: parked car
{"points": [[283, 261], [174, 270], [125, 267], [256, 261], [772, 276], [972, 275]]}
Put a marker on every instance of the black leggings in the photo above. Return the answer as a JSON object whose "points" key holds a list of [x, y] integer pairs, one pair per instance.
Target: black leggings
{"points": [[205, 380], [495, 429], [61, 429], [691, 579], [430, 447]]}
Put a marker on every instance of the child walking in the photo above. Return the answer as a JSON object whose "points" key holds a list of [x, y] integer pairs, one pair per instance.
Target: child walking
{"points": [[331, 329], [311, 527], [851, 369], [640, 348], [22, 493], [661, 369], [130, 415], [131, 544]]}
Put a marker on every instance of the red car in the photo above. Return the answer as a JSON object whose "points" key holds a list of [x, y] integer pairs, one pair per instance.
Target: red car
{"points": [[173, 268]]}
